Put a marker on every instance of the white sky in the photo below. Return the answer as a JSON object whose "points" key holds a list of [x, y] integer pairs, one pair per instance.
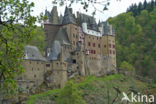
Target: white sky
{"points": [[116, 7]]}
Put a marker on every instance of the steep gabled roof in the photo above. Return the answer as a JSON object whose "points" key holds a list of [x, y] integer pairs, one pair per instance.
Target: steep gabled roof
{"points": [[108, 29], [32, 53], [68, 17], [53, 15], [90, 20], [62, 37], [60, 19]]}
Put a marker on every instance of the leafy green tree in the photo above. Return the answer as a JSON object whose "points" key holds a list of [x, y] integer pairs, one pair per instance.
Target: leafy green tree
{"points": [[135, 41], [125, 65], [38, 39], [70, 94], [16, 29]]}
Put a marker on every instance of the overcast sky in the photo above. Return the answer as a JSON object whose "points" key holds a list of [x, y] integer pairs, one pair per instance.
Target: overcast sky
{"points": [[116, 7]]}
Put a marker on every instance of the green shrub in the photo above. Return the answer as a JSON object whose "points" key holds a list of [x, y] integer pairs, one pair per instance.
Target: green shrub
{"points": [[70, 94], [125, 65]]}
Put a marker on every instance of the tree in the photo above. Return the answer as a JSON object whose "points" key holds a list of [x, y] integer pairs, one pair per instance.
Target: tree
{"points": [[145, 4], [38, 39], [125, 65], [16, 29], [70, 95], [140, 7], [85, 4]]}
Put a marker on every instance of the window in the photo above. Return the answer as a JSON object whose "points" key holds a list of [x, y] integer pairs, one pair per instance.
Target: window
{"points": [[47, 65], [113, 46], [109, 45], [94, 52], [74, 35], [93, 44], [99, 45], [74, 61], [34, 76], [27, 87], [32, 69], [105, 46], [57, 64], [88, 43], [110, 52], [113, 52], [90, 51]]}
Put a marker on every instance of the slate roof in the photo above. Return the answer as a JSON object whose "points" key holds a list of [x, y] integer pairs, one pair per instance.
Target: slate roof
{"points": [[60, 19], [50, 15], [32, 53], [55, 51], [90, 20], [60, 39], [107, 29], [68, 17]]}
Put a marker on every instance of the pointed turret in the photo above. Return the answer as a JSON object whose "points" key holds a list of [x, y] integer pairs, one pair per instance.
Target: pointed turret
{"points": [[53, 16], [68, 17]]}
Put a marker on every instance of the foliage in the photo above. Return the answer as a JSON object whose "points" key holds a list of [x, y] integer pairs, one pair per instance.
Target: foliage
{"points": [[70, 95], [125, 65], [94, 90], [85, 4], [16, 29], [35, 98], [135, 41], [38, 39], [136, 9]]}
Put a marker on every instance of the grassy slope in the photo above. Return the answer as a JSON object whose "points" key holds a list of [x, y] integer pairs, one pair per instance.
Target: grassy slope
{"points": [[95, 90]]}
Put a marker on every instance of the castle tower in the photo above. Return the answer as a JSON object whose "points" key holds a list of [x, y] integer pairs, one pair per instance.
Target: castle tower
{"points": [[68, 17], [53, 16], [108, 42]]}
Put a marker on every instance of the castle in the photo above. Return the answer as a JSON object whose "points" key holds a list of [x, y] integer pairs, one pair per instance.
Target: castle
{"points": [[75, 45]]}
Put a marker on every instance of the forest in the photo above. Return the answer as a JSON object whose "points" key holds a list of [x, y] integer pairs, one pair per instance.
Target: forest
{"points": [[136, 38]]}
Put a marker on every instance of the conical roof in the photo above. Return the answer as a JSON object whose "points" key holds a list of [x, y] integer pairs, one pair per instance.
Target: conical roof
{"points": [[62, 37], [68, 17]]}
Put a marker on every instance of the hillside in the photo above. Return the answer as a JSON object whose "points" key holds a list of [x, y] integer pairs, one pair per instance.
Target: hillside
{"points": [[136, 41], [93, 90]]}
